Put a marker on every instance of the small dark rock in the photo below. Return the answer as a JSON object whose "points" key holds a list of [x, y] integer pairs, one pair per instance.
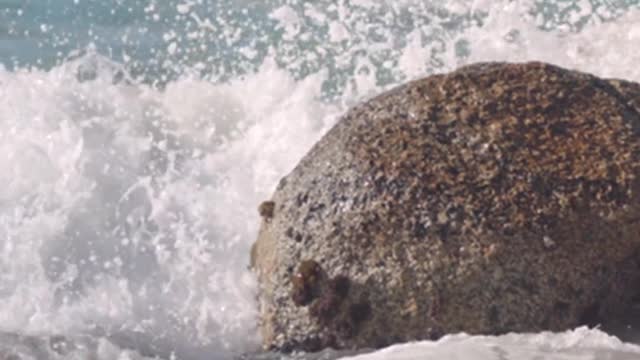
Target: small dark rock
{"points": [[266, 209]]}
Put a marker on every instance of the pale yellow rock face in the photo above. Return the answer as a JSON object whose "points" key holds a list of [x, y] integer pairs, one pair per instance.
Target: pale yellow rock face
{"points": [[497, 198]]}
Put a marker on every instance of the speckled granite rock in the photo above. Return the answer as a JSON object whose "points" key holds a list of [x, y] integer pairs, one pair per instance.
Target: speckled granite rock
{"points": [[499, 197]]}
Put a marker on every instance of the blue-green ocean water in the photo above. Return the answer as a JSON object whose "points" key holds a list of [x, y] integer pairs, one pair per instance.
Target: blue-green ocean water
{"points": [[225, 38], [137, 138]]}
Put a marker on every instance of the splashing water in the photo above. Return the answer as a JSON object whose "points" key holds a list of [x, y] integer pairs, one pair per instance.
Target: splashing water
{"points": [[138, 138]]}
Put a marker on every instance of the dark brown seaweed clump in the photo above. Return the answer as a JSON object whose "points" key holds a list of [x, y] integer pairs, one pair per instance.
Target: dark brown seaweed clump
{"points": [[266, 209], [305, 282]]}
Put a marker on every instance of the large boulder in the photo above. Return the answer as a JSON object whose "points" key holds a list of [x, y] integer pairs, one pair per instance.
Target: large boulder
{"points": [[500, 197]]}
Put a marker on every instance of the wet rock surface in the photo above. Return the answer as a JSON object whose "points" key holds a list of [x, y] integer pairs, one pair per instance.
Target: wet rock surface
{"points": [[497, 198]]}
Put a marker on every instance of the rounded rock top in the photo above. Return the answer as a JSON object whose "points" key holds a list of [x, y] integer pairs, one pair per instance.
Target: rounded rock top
{"points": [[499, 197]]}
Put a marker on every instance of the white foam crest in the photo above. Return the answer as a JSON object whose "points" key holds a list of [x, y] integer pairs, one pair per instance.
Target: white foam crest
{"points": [[516, 31], [602, 48], [578, 344], [129, 211]]}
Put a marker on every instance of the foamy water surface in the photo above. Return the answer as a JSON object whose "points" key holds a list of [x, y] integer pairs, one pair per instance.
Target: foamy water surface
{"points": [[128, 197]]}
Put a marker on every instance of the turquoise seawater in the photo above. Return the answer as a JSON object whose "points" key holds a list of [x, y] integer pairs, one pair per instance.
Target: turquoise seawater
{"points": [[138, 137], [159, 40]]}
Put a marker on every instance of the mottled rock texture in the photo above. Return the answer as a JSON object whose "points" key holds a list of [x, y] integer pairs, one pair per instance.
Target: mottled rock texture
{"points": [[500, 197]]}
